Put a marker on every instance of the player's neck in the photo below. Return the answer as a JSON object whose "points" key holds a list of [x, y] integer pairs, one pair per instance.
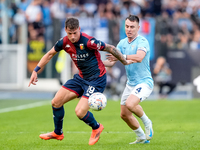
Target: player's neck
{"points": [[130, 39]]}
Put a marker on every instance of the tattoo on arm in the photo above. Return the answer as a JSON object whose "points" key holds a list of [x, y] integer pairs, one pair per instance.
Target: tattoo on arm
{"points": [[113, 50]]}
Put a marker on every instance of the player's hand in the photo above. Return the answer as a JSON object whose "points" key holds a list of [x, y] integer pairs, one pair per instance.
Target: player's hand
{"points": [[110, 57], [130, 62], [33, 79]]}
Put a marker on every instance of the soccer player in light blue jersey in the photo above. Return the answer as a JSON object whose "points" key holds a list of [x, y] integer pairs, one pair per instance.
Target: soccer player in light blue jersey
{"points": [[139, 80]]}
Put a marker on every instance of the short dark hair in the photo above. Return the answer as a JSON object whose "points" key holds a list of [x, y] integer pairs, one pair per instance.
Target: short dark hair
{"points": [[133, 18], [72, 23]]}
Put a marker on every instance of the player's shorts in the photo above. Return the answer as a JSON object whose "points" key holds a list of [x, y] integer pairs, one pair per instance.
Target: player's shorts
{"points": [[85, 87], [142, 91]]}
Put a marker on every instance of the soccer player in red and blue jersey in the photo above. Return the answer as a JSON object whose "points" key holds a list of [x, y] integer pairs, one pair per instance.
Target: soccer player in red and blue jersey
{"points": [[84, 51]]}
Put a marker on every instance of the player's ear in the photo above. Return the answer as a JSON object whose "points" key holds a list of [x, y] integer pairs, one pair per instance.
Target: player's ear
{"points": [[79, 28]]}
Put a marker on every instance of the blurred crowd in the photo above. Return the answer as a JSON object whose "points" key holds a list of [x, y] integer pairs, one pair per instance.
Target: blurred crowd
{"points": [[178, 26], [177, 21]]}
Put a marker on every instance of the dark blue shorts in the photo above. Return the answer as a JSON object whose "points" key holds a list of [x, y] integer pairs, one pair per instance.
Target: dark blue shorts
{"points": [[85, 87]]}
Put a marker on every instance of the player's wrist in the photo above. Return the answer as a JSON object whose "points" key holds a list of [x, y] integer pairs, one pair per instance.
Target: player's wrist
{"points": [[125, 56], [37, 68]]}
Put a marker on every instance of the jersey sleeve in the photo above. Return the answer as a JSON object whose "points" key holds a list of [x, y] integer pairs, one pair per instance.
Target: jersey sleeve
{"points": [[143, 45], [94, 44], [119, 46], [59, 45]]}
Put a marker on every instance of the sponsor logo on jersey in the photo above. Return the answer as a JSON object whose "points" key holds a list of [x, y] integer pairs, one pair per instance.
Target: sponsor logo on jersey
{"points": [[80, 56], [81, 46]]}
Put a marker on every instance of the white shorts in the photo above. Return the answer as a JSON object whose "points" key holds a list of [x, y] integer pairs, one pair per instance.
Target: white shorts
{"points": [[142, 91]]}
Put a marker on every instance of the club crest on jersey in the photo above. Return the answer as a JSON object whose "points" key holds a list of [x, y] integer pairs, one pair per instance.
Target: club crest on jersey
{"points": [[133, 47], [81, 46]]}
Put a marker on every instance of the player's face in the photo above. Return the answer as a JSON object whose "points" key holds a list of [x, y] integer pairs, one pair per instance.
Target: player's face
{"points": [[131, 29], [73, 35]]}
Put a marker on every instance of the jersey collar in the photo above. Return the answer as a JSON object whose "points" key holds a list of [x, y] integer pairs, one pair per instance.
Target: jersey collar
{"points": [[132, 40]]}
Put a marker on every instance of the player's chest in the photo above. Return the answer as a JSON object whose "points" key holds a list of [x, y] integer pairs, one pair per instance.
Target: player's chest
{"points": [[78, 52], [130, 49], [75, 48]]}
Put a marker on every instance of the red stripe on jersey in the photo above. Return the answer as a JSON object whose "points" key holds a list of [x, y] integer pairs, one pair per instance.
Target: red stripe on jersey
{"points": [[69, 51], [100, 64], [94, 47], [97, 54], [86, 35]]}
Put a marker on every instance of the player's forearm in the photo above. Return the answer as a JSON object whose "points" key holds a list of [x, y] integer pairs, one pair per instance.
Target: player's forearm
{"points": [[134, 58], [138, 57], [45, 59], [111, 49]]}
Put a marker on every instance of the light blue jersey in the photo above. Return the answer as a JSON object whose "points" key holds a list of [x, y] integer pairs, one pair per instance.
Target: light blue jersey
{"points": [[137, 72]]}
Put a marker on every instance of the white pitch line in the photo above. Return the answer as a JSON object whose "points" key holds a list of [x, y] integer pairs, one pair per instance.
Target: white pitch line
{"points": [[21, 107]]}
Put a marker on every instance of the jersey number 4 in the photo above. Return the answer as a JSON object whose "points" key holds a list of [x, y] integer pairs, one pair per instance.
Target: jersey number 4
{"points": [[138, 90]]}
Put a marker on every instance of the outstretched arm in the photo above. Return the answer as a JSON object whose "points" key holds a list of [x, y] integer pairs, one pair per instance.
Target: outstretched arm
{"points": [[113, 50], [44, 60], [135, 58]]}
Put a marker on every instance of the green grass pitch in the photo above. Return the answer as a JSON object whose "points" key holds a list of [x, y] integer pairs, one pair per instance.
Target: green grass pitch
{"points": [[176, 126]]}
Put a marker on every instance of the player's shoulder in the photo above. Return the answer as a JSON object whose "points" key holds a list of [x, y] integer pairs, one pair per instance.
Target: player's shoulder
{"points": [[123, 41], [86, 39], [142, 38], [64, 40], [60, 41], [59, 44], [86, 36]]}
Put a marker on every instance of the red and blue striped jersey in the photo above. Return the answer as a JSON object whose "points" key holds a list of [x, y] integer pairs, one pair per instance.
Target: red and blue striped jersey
{"points": [[85, 54]]}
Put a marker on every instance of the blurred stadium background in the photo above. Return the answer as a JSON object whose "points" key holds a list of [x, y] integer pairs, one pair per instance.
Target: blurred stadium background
{"points": [[29, 28]]}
